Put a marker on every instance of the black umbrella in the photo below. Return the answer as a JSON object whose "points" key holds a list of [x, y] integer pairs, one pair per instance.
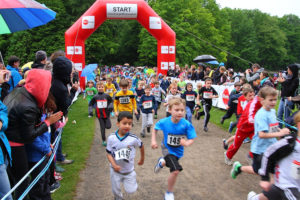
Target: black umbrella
{"points": [[204, 58]]}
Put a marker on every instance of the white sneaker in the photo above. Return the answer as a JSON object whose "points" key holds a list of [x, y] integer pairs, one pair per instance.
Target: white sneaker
{"points": [[251, 195], [227, 160], [169, 196], [159, 165]]}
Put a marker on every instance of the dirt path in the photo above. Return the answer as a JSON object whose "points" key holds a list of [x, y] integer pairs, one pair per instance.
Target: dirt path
{"points": [[204, 175]]}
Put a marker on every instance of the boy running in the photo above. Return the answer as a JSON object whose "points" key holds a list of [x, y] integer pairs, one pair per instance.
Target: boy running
{"points": [[104, 106], [124, 99], [207, 93], [139, 93], [90, 91], [175, 129], [121, 153], [148, 105], [283, 157], [189, 96], [266, 129], [157, 92]]}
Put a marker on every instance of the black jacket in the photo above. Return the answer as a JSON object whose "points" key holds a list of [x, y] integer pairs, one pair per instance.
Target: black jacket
{"points": [[62, 69], [290, 86], [37, 65], [24, 117]]}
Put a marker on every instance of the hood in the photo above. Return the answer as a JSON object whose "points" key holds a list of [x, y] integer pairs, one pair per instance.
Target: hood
{"points": [[294, 69], [37, 65], [62, 69], [38, 83]]}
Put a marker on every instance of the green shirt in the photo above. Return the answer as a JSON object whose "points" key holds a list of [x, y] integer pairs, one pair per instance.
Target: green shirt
{"points": [[90, 92], [182, 85]]}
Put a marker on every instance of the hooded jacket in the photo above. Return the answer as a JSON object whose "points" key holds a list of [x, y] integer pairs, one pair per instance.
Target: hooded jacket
{"points": [[255, 76], [289, 86], [37, 65], [62, 69], [24, 106]]}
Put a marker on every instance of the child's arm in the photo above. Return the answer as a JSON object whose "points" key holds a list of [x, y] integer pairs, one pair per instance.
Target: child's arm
{"points": [[92, 102], [185, 142], [116, 103], [142, 150], [281, 133], [112, 161], [153, 139]]}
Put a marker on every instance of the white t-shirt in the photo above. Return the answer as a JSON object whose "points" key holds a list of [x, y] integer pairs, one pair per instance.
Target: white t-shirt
{"points": [[123, 150]]}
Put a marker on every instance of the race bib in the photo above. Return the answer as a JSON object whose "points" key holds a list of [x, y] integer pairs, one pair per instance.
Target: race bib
{"points": [[109, 90], [174, 140], [147, 104], [124, 100], [102, 104], [156, 93], [295, 172], [207, 95], [89, 92], [190, 97], [122, 154], [274, 128]]}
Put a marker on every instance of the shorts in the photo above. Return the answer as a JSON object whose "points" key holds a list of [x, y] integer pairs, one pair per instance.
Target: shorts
{"points": [[172, 163], [256, 162], [275, 193]]}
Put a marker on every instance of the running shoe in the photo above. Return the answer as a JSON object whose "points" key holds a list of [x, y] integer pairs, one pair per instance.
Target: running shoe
{"points": [[169, 196], [90, 116], [104, 143], [227, 160], [59, 168], [225, 145], [148, 129], [155, 116], [247, 140], [55, 186], [230, 129], [142, 135], [159, 165], [222, 121], [235, 170], [205, 128], [251, 195]]}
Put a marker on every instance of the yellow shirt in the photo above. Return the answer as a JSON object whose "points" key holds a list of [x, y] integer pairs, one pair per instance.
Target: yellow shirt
{"points": [[110, 89], [124, 101]]}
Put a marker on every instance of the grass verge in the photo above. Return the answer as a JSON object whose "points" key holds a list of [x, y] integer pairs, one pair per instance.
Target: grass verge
{"points": [[77, 140]]}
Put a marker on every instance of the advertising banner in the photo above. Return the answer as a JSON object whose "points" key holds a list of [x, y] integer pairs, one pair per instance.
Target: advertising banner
{"points": [[128, 11]]}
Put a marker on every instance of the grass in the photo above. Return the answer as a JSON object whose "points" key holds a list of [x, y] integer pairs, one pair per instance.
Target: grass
{"points": [[77, 140]]}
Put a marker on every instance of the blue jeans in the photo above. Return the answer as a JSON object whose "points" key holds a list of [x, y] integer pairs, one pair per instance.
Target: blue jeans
{"points": [[189, 114], [284, 109], [4, 181], [59, 154]]}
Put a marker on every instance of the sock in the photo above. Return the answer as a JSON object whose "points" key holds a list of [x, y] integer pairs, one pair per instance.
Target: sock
{"points": [[256, 197]]}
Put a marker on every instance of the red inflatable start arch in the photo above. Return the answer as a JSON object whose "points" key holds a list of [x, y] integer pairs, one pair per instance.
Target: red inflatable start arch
{"points": [[138, 10]]}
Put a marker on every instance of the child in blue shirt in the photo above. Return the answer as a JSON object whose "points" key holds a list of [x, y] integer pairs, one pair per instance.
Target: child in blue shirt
{"points": [[178, 133], [266, 130], [189, 96]]}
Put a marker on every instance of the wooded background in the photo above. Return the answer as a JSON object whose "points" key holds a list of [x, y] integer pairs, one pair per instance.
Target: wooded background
{"points": [[201, 28]]}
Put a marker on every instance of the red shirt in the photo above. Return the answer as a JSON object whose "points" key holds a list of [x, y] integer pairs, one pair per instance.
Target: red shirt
{"points": [[242, 103]]}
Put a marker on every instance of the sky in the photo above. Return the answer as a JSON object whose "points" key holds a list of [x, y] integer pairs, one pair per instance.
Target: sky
{"points": [[272, 7]]}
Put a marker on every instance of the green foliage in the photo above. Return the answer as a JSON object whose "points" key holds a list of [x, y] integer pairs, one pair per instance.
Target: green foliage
{"points": [[201, 27]]}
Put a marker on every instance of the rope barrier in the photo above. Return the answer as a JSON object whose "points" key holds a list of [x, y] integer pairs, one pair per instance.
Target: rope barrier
{"points": [[286, 124], [55, 144]]}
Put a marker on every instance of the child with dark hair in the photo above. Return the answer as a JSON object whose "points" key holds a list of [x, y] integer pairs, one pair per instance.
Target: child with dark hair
{"points": [[189, 96], [104, 105], [139, 93], [206, 93], [147, 104], [157, 92], [121, 150]]}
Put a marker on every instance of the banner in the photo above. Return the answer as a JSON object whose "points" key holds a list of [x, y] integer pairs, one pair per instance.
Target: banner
{"points": [[222, 90], [128, 11]]}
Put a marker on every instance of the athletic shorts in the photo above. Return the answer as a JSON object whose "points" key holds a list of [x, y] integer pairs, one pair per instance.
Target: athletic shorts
{"points": [[275, 193], [256, 162], [173, 163]]}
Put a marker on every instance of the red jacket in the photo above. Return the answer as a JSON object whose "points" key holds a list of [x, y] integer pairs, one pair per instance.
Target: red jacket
{"points": [[246, 121], [242, 103]]}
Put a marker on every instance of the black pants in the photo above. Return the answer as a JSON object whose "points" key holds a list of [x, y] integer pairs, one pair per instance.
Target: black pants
{"points": [[229, 113], [105, 123], [205, 112], [18, 169], [41, 190], [156, 109]]}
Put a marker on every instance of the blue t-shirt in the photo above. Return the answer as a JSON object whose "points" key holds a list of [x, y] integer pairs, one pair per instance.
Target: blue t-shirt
{"points": [[264, 121], [173, 131]]}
